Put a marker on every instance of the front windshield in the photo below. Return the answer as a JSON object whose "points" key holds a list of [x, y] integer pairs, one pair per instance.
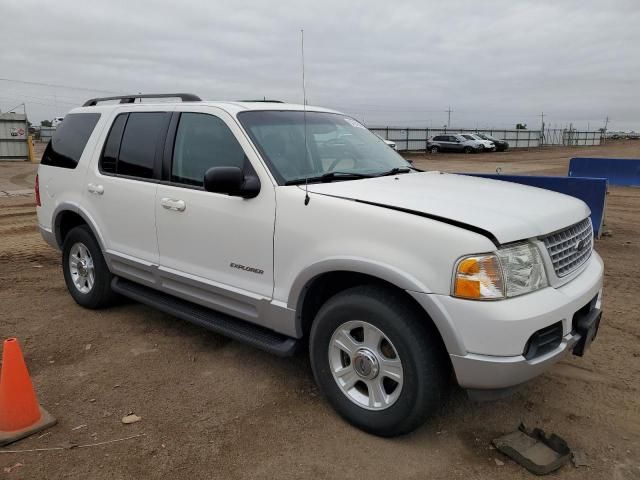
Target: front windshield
{"points": [[469, 137], [335, 143]]}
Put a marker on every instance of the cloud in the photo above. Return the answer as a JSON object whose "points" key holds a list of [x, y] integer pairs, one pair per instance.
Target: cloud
{"points": [[397, 63]]}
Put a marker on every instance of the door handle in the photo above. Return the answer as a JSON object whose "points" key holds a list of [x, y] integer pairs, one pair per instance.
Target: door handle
{"points": [[95, 189], [173, 204]]}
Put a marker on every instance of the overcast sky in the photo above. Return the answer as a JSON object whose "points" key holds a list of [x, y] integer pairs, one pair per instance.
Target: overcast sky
{"points": [[495, 63]]}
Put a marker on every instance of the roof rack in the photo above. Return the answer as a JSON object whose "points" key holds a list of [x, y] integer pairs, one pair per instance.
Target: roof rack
{"points": [[264, 100], [185, 97]]}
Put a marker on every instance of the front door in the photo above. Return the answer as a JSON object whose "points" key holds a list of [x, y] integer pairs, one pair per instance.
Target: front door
{"points": [[215, 249]]}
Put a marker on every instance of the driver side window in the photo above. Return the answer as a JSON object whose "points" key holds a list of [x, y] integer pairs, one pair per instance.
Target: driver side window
{"points": [[203, 141]]}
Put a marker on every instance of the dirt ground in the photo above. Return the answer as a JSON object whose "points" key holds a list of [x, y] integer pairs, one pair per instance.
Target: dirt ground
{"points": [[214, 408]]}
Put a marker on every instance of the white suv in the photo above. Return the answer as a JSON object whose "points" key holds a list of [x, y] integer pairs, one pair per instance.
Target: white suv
{"points": [[284, 227]]}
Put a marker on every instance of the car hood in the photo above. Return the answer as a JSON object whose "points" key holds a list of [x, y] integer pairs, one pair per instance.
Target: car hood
{"points": [[508, 211]]}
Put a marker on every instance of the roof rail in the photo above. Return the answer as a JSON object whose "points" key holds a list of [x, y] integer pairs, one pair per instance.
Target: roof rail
{"points": [[185, 97], [264, 100]]}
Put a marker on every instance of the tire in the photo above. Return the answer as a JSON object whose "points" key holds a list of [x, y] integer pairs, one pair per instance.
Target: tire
{"points": [[80, 243], [435, 149], [468, 150], [408, 339]]}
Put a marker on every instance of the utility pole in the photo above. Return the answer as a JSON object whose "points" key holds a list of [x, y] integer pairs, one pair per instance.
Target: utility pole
{"points": [[542, 128], [449, 117]]}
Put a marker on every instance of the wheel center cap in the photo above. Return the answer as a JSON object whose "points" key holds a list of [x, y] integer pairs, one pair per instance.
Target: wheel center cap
{"points": [[365, 364]]}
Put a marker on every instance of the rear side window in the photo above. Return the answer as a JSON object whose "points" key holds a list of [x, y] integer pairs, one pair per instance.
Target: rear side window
{"points": [[438, 138], [130, 148], [112, 145], [69, 140], [202, 142]]}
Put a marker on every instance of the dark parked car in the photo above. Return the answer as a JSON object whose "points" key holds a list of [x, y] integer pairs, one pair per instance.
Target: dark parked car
{"points": [[501, 145]]}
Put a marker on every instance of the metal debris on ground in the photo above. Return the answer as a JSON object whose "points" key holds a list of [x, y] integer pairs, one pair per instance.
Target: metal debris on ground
{"points": [[579, 459], [534, 449]]}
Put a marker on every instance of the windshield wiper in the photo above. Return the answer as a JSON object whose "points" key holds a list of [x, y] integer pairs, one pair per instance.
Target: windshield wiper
{"points": [[327, 177], [394, 171]]}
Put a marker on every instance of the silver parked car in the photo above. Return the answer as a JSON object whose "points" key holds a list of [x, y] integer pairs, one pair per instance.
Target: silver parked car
{"points": [[389, 143], [487, 145], [453, 143]]}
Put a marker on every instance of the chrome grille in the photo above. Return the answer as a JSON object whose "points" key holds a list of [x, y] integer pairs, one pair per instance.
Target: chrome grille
{"points": [[571, 247]]}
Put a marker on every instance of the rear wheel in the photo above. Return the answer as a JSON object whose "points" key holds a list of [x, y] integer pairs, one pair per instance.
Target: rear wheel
{"points": [[434, 149], [85, 271], [379, 361]]}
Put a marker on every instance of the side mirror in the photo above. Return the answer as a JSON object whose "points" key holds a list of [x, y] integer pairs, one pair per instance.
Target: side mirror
{"points": [[232, 181]]}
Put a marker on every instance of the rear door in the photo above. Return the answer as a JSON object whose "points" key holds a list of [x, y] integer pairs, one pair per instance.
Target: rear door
{"points": [[121, 192]]}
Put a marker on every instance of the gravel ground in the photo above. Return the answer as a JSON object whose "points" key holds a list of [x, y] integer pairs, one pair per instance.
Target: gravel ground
{"points": [[213, 408]]}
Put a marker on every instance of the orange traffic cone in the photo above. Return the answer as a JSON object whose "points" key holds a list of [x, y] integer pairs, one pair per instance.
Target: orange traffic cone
{"points": [[20, 413]]}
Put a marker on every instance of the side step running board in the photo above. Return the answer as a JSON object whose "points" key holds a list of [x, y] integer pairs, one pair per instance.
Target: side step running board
{"points": [[221, 323]]}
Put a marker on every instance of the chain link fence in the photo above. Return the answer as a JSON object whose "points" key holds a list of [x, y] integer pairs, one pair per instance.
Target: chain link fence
{"points": [[416, 138]]}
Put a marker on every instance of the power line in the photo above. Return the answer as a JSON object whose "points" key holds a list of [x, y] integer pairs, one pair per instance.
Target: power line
{"points": [[52, 85], [18, 95], [51, 104], [76, 96]]}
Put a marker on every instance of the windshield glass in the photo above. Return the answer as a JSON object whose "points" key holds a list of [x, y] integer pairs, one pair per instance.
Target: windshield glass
{"points": [[468, 137], [335, 143]]}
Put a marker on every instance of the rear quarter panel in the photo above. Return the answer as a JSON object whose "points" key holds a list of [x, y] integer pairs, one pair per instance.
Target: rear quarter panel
{"points": [[62, 187]]}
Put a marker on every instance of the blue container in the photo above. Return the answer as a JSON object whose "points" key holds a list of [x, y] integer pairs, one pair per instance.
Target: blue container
{"points": [[619, 171]]}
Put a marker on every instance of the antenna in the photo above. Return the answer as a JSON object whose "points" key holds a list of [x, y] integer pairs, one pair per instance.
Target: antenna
{"points": [[304, 119], [304, 89]]}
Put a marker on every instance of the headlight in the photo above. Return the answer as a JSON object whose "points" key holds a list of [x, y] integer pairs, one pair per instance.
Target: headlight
{"points": [[523, 269], [510, 272]]}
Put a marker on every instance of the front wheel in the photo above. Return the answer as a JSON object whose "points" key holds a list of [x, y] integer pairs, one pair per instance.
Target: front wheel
{"points": [[378, 360], [85, 271], [468, 150]]}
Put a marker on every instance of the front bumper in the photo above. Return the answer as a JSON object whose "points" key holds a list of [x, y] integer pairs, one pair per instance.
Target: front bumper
{"points": [[483, 372], [494, 335]]}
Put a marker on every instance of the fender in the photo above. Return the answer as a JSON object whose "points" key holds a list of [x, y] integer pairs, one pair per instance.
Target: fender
{"points": [[420, 292], [357, 265]]}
